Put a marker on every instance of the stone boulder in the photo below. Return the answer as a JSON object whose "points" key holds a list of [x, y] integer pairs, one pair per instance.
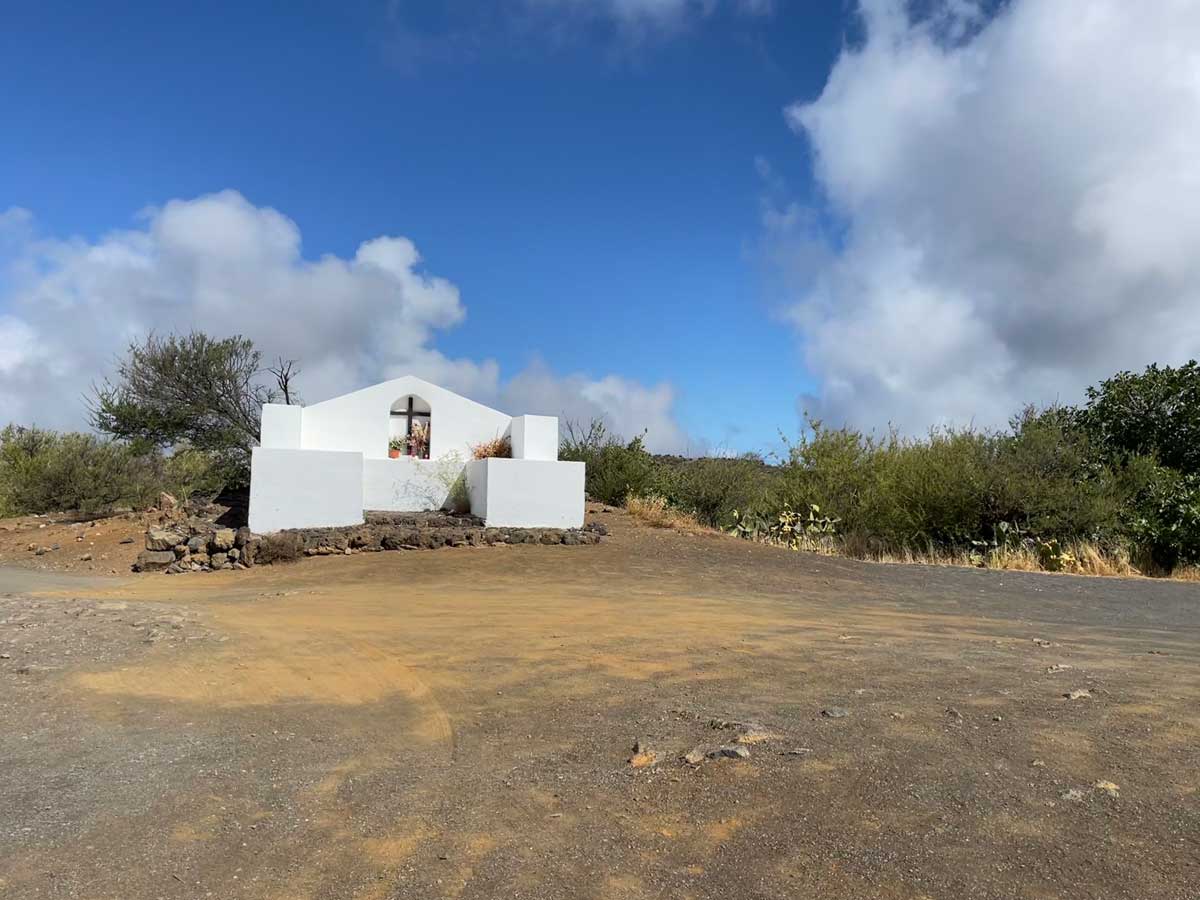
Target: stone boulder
{"points": [[153, 560], [223, 539], [163, 539]]}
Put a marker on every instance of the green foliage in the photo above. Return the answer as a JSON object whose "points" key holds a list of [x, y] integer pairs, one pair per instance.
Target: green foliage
{"points": [[1049, 479], [1164, 521], [710, 488], [1052, 557], [787, 527], [191, 390], [896, 490], [1154, 413], [45, 471], [1122, 474], [958, 488], [615, 470]]}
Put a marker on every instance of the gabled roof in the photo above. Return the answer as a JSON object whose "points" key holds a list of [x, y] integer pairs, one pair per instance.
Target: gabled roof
{"points": [[410, 384]]}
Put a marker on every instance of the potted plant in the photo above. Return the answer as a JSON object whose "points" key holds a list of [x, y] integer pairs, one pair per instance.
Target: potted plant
{"points": [[395, 445]]}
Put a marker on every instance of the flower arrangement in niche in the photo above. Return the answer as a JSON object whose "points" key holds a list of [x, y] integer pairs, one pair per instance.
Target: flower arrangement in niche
{"points": [[418, 441]]}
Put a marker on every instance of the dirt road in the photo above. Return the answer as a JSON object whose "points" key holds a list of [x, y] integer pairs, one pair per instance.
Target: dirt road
{"points": [[458, 724]]}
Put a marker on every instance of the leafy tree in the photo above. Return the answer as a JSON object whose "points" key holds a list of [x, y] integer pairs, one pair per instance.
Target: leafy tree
{"points": [[1154, 413], [1164, 522], [195, 391]]}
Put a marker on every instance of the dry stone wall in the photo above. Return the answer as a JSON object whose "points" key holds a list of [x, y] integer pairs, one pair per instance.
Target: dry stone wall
{"points": [[197, 546]]}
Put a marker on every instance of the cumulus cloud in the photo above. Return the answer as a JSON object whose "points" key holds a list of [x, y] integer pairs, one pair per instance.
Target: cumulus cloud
{"points": [[1014, 204], [219, 264], [628, 407]]}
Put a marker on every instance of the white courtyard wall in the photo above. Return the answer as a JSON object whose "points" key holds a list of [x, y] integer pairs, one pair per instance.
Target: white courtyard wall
{"points": [[477, 472], [535, 437], [526, 493], [361, 422], [304, 489], [281, 426], [407, 484], [322, 465]]}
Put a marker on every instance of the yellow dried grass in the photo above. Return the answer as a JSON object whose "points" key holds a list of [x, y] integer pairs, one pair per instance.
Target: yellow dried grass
{"points": [[654, 512]]}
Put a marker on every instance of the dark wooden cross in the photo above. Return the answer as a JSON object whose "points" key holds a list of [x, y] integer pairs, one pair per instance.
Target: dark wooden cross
{"points": [[410, 414]]}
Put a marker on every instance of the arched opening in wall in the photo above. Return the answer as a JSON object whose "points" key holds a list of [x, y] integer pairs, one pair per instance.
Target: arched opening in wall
{"points": [[409, 428]]}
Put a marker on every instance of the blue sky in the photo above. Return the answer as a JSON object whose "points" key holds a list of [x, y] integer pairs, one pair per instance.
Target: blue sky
{"points": [[753, 206], [597, 203]]}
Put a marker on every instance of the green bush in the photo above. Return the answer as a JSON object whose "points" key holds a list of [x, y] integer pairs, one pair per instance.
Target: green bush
{"points": [[1055, 477], [45, 471], [894, 490], [711, 488], [1049, 479], [615, 470], [1164, 521], [955, 488], [1152, 413]]}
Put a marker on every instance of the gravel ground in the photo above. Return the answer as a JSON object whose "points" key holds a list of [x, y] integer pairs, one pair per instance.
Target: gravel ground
{"points": [[460, 723]]}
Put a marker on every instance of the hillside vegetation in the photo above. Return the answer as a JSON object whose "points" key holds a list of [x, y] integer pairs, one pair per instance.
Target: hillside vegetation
{"points": [[1110, 486]]}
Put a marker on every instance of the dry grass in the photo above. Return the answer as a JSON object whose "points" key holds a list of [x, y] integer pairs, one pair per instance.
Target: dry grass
{"points": [[284, 546], [654, 512], [497, 448], [1186, 573], [1079, 558]]}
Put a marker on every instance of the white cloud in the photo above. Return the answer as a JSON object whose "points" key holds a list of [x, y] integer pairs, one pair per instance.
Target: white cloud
{"points": [[463, 31], [644, 11], [1017, 208], [220, 264], [628, 407]]}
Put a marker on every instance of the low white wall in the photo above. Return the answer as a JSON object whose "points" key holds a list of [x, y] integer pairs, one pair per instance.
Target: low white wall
{"points": [[527, 493], [535, 437], [304, 489], [281, 426], [407, 484], [477, 472]]}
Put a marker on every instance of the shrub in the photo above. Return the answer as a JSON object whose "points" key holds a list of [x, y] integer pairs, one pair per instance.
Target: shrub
{"points": [[955, 488], [1047, 478], [46, 471], [615, 470], [497, 448], [1164, 522], [711, 488]]}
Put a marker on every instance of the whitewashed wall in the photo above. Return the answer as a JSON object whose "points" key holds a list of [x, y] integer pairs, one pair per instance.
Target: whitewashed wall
{"points": [[407, 484], [526, 493], [535, 437], [361, 421], [322, 465], [304, 489]]}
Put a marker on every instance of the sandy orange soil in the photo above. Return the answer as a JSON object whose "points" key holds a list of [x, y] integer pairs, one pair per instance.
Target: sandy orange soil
{"points": [[458, 723]]}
